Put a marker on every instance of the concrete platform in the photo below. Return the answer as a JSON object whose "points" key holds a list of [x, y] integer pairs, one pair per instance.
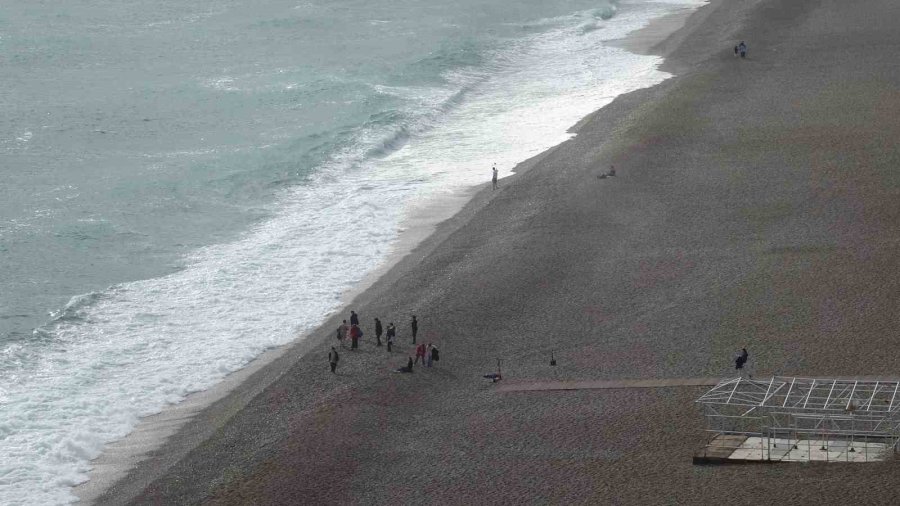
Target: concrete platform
{"points": [[731, 449]]}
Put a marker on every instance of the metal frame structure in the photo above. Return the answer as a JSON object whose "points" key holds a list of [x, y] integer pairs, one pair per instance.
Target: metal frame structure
{"points": [[836, 416]]}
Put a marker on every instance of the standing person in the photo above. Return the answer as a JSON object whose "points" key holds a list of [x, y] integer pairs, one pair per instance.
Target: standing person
{"points": [[354, 318], [494, 178], [743, 49], [355, 334], [420, 353], [435, 355], [342, 332], [378, 331], [429, 355], [333, 358], [391, 332], [741, 360], [415, 327], [736, 50]]}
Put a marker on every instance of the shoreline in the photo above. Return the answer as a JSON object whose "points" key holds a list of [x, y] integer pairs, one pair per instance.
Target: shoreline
{"points": [[420, 235], [755, 206]]}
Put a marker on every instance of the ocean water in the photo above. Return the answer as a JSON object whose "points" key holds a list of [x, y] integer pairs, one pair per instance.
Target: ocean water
{"points": [[188, 184]]}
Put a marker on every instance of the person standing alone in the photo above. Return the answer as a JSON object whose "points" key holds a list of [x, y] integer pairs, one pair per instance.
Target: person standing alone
{"points": [[333, 358], [494, 178], [414, 324], [378, 331]]}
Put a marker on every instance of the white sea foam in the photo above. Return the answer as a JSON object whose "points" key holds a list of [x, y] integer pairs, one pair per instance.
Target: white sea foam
{"points": [[132, 350]]}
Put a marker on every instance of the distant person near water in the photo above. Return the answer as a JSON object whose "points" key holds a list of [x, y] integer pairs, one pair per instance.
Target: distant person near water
{"points": [[354, 318], [494, 179], [414, 324], [378, 331], [742, 48], [391, 333], [741, 360], [333, 358]]}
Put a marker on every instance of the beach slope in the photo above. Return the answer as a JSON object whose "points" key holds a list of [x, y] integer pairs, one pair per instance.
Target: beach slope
{"points": [[756, 204]]}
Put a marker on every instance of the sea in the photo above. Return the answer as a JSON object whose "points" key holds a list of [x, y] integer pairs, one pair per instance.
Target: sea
{"points": [[185, 185]]}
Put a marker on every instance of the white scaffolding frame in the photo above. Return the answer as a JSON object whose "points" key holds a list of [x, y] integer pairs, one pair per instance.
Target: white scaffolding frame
{"points": [[790, 411]]}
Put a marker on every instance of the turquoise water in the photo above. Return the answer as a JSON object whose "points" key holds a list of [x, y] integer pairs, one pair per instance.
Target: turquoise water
{"points": [[181, 181]]}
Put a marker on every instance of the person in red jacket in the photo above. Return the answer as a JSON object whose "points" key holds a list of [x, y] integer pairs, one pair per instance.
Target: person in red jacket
{"points": [[420, 353], [355, 334]]}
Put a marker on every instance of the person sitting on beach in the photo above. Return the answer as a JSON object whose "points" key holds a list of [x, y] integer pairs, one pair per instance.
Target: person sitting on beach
{"points": [[408, 367], [612, 171], [494, 377]]}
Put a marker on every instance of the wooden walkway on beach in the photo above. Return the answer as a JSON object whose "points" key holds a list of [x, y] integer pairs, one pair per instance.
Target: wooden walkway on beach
{"points": [[542, 386]]}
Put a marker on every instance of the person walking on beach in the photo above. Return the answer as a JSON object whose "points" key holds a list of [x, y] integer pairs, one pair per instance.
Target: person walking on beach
{"points": [[494, 178], [354, 318], [333, 358], [391, 333], [420, 353], [743, 49], [378, 331], [355, 334], [414, 324], [736, 50], [342, 332]]}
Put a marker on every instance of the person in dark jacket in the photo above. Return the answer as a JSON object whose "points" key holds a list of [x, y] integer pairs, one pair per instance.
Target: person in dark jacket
{"points": [[378, 331], [333, 358], [414, 324], [354, 318], [391, 334], [741, 360]]}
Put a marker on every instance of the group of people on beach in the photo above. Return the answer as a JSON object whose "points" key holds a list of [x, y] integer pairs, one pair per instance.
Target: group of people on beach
{"points": [[427, 354]]}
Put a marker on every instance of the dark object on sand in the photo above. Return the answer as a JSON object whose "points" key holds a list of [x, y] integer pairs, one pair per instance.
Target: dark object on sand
{"points": [[743, 49], [552, 359], [408, 368], [495, 376]]}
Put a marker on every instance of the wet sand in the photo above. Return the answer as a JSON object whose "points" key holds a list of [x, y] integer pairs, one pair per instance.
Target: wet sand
{"points": [[756, 204]]}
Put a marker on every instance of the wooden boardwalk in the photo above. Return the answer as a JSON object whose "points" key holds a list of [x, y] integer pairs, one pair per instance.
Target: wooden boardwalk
{"points": [[542, 386]]}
